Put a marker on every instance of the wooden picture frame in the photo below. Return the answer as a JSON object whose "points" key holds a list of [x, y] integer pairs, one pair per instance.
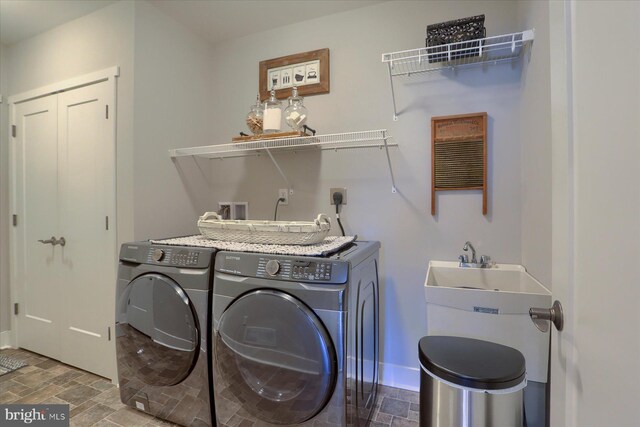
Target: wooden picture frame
{"points": [[459, 155], [319, 57]]}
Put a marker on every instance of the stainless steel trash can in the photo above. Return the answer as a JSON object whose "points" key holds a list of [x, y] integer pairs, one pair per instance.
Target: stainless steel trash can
{"points": [[466, 382]]}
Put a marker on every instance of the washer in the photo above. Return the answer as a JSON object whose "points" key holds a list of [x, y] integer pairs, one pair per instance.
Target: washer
{"points": [[295, 339], [162, 329]]}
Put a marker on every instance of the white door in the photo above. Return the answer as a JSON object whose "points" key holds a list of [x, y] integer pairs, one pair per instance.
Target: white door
{"points": [[37, 264], [76, 281], [595, 361], [87, 206]]}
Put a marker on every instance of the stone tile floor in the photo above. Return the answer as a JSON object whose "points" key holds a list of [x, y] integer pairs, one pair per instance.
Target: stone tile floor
{"points": [[95, 401]]}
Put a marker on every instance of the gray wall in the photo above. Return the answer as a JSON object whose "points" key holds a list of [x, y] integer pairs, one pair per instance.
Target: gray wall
{"points": [[172, 105], [535, 137], [5, 309], [360, 100]]}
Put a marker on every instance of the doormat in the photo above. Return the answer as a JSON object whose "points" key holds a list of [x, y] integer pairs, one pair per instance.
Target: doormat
{"points": [[9, 364]]}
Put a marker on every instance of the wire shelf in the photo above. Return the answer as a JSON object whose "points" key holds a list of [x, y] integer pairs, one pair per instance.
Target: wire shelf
{"points": [[486, 50], [337, 141]]}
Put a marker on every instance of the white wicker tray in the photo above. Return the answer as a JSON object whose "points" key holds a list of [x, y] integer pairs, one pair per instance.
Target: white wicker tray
{"points": [[212, 226]]}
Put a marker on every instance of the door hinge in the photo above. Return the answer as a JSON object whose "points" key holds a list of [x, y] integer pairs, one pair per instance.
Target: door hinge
{"points": [[15, 308], [15, 220], [106, 107], [14, 131], [109, 333], [106, 222]]}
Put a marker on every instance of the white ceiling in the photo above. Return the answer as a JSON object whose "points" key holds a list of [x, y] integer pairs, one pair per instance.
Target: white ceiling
{"points": [[214, 20], [21, 19]]}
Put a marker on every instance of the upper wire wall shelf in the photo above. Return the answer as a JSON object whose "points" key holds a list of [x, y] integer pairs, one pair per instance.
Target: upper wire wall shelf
{"points": [[337, 141], [488, 50]]}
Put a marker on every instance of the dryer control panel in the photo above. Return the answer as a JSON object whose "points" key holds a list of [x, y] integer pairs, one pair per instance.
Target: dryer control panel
{"points": [[170, 256], [176, 257]]}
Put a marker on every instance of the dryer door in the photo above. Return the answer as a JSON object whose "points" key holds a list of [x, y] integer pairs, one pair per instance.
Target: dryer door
{"points": [[156, 331], [275, 357]]}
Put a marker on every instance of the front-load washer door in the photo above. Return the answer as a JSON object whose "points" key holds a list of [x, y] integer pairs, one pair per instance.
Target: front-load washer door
{"points": [[156, 331], [274, 357]]}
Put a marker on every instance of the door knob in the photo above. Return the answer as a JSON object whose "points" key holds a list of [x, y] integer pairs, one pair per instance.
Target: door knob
{"points": [[52, 241], [553, 314]]}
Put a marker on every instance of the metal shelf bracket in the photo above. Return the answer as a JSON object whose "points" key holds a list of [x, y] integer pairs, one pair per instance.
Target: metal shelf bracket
{"points": [[393, 93], [275, 163], [386, 149]]}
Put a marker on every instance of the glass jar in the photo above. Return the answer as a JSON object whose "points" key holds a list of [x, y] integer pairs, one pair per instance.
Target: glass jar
{"points": [[255, 117], [295, 115], [272, 114]]}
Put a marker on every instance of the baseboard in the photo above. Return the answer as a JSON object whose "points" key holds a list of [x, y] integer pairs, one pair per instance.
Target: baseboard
{"points": [[405, 377], [6, 340]]}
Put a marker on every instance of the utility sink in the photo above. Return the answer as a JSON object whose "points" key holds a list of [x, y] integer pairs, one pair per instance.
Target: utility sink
{"points": [[507, 288], [491, 304]]}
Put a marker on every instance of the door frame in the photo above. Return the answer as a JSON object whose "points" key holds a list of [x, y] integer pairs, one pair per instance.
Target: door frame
{"points": [[108, 74], [563, 364]]}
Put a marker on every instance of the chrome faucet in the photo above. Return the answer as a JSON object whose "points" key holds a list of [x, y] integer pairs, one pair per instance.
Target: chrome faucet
{"points": [[485, 260], [468, 246]]}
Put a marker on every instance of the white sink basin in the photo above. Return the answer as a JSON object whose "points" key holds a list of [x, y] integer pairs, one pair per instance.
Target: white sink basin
{"points": [[490, 304], [505, 287]]}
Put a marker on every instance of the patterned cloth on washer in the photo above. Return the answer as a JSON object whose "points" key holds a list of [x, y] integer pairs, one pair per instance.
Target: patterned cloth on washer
{"points": [[328, 246]]}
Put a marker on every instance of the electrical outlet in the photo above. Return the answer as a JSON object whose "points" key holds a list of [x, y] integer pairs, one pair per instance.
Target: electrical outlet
{"points": [[339, 190], [283, 193], [233, 210], [240, 210], [225, 210]]}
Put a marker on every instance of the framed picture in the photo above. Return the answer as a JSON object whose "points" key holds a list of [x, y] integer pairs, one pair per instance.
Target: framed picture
{"points": [[308, 71]]}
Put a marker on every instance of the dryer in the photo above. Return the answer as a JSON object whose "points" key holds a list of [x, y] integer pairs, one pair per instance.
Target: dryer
{"points": [[295, 338], [163, 302]]}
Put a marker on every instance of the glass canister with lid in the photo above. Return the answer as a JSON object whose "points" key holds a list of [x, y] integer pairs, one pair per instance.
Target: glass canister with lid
{"points": [[255, 117], [272, 114], [295, 115]]}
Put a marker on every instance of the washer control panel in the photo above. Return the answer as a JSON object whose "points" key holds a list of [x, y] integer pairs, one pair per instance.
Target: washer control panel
{"points": [[273, 268], [294, 269], [157, 255], [311, 270]]}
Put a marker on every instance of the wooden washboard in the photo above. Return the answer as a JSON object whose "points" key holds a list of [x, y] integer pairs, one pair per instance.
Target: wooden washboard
{"points": [[459, 155]]}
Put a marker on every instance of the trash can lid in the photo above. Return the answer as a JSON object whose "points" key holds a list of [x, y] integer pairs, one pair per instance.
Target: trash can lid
{"points": [[472, 363]]}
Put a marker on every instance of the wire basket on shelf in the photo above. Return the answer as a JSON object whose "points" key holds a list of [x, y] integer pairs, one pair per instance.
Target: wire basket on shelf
{"points": [[212, 226], [455, 39]]}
